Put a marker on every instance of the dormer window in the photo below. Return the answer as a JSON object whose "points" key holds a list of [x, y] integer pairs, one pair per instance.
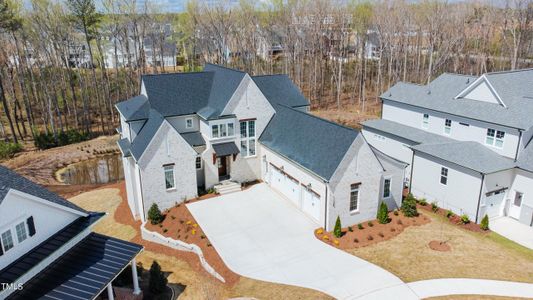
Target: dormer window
{"points": [[495, 138], [188, 123], [22, 233], [7, 241]]}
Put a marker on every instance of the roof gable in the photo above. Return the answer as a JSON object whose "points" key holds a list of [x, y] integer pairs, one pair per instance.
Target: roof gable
{"points": [[481, 90], [10, 180], [314, 143]]}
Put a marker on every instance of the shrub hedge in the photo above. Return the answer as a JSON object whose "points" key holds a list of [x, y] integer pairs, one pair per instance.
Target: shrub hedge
{"points": [[8, 149], [47, 140]]}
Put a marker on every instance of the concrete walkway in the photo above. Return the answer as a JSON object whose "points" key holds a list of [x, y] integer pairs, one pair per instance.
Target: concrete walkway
{"points": [[261, 235], [513, 230]]}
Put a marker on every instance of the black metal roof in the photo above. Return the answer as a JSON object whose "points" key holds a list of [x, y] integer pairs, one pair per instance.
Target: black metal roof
{"points": [[225, 149], [26, 262], [82, 272], [11, 180]]}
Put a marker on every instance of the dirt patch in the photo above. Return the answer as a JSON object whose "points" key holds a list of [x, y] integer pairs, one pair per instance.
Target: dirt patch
{"points": [[40, 166], [350, 115], [453, 218], [179, 224], [439, 246], [370, 232]]}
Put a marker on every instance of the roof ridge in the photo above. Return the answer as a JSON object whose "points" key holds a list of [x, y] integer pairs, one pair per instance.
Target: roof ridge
{"points": [[223, 67], [459, 74], [270, 75], [508, 71], [319, 118], [176, 73]]}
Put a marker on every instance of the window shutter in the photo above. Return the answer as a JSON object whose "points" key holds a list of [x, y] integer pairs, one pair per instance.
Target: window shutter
{"points": [[1, 251], [31, 225]]}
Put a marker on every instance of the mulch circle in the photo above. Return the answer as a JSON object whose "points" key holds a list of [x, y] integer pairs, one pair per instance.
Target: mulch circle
{"points": [[440, 246]]}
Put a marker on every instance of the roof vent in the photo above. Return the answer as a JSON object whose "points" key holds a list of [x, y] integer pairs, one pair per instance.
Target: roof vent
{"points": [[429, 92], [390, 94], [467, 80]]}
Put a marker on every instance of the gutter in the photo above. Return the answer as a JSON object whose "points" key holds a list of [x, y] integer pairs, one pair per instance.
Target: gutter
{"points": [[518, 145], [412, 168], [480, 193], [326, 209]]}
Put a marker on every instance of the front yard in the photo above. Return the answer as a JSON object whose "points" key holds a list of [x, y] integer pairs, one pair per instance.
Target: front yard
{"points": [[472, 255]]}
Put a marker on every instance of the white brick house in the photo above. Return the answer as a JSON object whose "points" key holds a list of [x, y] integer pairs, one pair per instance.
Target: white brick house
{"points": [[191, 131], [467, 141]]}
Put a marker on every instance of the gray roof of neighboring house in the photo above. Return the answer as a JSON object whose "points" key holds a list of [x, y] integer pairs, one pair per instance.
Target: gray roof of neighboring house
{"points": [[418, 136], [142, 140], [125, 147], [194, 138], [471, 155], [314, 143], [279, 89], [11, 180], [514, 87]]}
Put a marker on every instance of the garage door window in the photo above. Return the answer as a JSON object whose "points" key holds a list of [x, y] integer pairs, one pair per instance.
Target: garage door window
{"points": [[354, 197]]}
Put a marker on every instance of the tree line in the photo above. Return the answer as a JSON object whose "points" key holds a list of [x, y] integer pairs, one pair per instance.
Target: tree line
{"points": [[56, 75]]}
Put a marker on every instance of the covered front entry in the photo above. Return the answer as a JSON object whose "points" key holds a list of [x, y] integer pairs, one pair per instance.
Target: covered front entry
{"points": [[221, 157]]}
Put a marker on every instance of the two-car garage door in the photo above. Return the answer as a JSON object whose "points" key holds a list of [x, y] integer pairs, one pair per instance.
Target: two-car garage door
{"points": [[291, 188]]}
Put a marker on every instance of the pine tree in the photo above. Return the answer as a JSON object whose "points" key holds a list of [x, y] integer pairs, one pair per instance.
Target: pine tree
{"points": [[337, 231], [158, 281], [485, 223], [383, 213], [154, 214]]}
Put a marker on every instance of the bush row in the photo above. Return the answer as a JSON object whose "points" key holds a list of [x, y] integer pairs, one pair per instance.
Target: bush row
{"points": [[46, 140], [8, 149]]}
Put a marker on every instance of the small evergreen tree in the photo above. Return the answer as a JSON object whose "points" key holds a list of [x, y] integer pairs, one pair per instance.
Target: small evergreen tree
{"points": [[158, 281], [485, 223], [409, 206], [383, 213], [337, 231], [154, 214]]}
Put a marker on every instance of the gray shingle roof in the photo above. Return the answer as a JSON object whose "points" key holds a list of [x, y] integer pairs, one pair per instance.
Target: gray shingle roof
{"points": [[142, 140], [279, 89], [525, 160], [11, 180], [418, 136], [124, 145], [314, 143], [515, 88], [134, 108], [194, 138], [225, 83], [471, 155]]}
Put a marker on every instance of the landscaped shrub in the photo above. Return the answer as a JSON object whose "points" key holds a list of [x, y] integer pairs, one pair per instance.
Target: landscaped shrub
{"points": [[154, 214], [434, 206], [383, 213], [370, 224], [423, 202], [396, 212], [381, 234], [356, 240], [337, 231], [485, 223], [465, 219], [369, 237], [350, 229], [158, 281], [409, 207], [449, 214], [8, 149], [360, 226]]}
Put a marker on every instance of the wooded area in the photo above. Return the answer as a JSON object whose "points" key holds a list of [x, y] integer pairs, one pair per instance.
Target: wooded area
{"points": [[55, 74]]}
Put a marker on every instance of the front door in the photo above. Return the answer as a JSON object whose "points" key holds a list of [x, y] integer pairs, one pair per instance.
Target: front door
{"points": [[222, 166], [516, 205]]}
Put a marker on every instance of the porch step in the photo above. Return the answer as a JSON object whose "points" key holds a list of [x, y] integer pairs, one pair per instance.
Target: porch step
{"points": [[226, 187]]}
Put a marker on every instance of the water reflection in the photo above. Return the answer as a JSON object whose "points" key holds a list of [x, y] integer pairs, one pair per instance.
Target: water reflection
{"points": [[105, 169]]}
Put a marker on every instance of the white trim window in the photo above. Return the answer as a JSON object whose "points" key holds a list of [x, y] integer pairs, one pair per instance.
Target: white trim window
{"points": [[444, 176], [425, 121], [222, 130], [7, 241], [447, 126], [214, 131], [247, 138], [354, 197], [495, 138], [170, 182], [386, 188], [22, 233], [188, 123], [198, 162]]}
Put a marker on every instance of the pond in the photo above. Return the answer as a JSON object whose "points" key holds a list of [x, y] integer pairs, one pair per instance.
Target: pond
{"points": [[103, 169]]}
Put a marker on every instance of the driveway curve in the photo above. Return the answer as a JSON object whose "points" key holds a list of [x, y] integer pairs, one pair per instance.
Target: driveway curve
{"points": [[260, 235]]}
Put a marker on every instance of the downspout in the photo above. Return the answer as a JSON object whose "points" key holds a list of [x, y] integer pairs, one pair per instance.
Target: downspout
{"points": [[142, 196], [518, 146], [412, 168], [326, 208], [480, 192]]}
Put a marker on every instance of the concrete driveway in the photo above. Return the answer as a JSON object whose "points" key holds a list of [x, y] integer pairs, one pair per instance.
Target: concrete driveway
{"points": [[261, 235], [513, 230]]}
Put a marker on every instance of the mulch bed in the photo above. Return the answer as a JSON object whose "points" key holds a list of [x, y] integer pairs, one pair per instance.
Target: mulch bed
{"points": [[439, 246], [370, 234], [454, 219], [123, 215]]}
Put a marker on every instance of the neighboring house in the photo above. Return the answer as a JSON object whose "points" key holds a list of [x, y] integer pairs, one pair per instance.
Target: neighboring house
{"points": [[191, 131], [467, 140], [47, 249]]}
